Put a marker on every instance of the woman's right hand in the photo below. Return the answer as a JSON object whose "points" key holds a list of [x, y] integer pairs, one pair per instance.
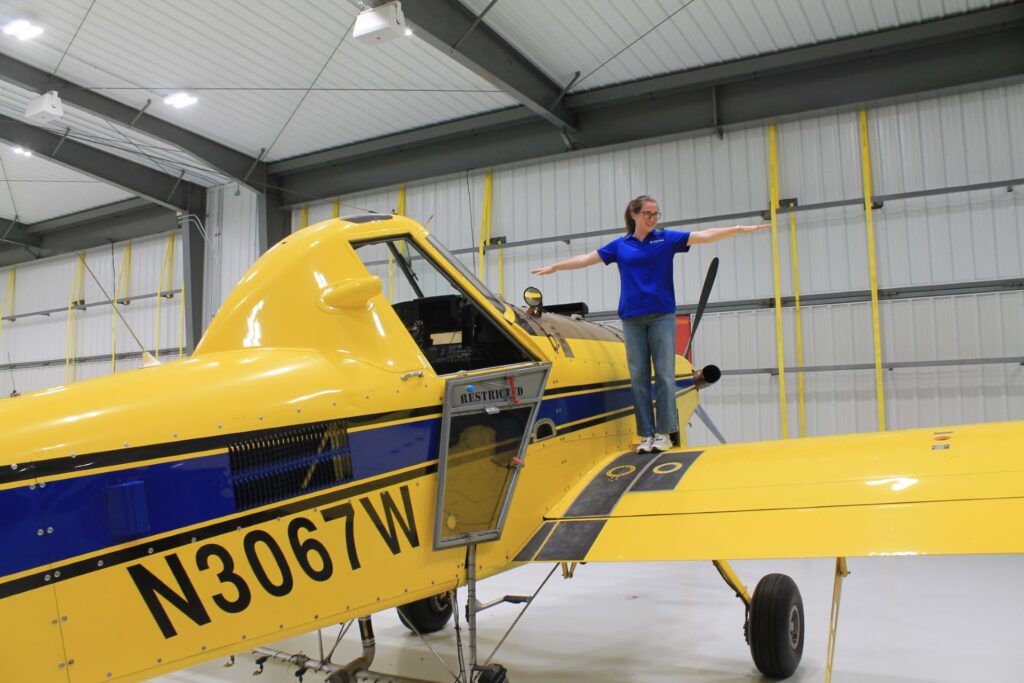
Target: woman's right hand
{"points": [[545, 270]]}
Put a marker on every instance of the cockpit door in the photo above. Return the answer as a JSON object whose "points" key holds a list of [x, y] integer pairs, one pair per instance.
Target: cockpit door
{"points": [[485, 429]]}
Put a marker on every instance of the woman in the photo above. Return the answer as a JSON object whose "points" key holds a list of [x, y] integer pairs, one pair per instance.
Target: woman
{"points": [[647, 307]]}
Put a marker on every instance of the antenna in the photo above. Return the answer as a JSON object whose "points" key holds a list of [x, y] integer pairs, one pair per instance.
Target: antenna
{"points": [[10, 366], [147, 357]]}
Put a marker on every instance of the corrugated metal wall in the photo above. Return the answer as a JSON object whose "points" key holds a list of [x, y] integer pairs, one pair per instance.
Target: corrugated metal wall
{"points": [[231, 225], [48, 340], [966, 237]]}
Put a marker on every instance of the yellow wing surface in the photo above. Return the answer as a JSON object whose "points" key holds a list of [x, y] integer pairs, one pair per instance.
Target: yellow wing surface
{"points": [[953, 490]]}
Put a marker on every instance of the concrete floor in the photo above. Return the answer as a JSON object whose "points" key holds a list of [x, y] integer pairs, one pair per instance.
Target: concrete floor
{"points": [[903, 620]]}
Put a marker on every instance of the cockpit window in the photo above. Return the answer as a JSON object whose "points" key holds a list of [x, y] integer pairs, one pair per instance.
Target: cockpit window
{"points": [[453, 332], [468, 274]]}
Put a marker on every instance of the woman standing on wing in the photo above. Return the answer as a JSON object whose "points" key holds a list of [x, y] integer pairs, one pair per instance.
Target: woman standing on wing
{"points": [[647, 307]]}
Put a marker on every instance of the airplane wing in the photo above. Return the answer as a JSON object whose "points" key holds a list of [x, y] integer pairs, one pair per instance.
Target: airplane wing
{"points": [[954, 490]]}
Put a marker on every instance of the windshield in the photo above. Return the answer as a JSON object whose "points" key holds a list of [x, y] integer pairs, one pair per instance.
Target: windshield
{"points": [[468, 274]]}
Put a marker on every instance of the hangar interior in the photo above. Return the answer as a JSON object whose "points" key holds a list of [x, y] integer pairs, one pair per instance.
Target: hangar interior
{"points": [[884, 140]]}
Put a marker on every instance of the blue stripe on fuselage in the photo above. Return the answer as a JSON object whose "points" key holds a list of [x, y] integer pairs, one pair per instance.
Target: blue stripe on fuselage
{"points": [[75, 514]]}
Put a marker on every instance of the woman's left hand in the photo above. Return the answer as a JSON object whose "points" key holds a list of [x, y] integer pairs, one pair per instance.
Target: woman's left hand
{"points": [[754, 228]]}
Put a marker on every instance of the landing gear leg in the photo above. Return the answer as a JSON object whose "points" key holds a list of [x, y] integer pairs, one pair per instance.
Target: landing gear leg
{"points": [[485, 673]]}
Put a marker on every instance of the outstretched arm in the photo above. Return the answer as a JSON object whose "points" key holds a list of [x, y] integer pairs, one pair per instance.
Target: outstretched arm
{"points": [[581, 261], [715, 234]]}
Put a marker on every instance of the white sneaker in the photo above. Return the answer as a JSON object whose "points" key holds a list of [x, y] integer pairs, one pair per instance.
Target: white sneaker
{"points": [[646, 444], [661, 442]]}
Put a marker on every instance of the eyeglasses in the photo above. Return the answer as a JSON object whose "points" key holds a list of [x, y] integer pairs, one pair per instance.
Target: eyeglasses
{"points": [[650, 214]]}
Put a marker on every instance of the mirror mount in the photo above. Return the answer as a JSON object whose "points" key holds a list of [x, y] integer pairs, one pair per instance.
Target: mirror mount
{"points": [[534, 301]]}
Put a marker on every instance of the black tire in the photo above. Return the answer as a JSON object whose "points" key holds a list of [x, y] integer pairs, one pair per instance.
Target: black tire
{"points": [[427, 615], [775, 626]]}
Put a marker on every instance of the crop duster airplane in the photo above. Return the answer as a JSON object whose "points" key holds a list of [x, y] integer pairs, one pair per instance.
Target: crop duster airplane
{"points": [[342, 442]]}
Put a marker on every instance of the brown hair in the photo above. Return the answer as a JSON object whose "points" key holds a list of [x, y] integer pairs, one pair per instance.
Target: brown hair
{"points": [[634, 206]]}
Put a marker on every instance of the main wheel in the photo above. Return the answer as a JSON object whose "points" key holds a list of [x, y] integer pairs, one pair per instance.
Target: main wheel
{"points": [[427, 615], [775, 626]]}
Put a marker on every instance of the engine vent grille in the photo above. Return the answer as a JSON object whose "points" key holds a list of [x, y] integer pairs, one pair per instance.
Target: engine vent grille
{"points": [[289, 462]]}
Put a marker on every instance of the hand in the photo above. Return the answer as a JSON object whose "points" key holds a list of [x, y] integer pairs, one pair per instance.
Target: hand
{"points": [[754, 228], [545, 270]]}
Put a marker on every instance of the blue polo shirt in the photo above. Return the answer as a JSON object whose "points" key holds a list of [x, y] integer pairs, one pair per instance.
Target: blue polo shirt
{"points": [[645, 270]]}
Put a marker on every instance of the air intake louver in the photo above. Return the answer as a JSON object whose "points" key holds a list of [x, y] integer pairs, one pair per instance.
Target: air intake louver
{"points": [[289, 462]]}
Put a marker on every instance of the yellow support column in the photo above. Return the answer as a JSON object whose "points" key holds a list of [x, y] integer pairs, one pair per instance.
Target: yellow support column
{"points": [[122, 291], [303, 216], [400, 210], [336, 208], [799, 328], [7, 309], [773, 206], [75, 302], [485, 228], [166, 276], [865, 159]]}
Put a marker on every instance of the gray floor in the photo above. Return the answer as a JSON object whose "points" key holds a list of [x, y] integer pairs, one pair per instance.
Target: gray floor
{"points": [[903, 620]]}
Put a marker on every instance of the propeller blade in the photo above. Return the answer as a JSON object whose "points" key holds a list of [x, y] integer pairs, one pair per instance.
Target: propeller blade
{"points": [[709, 282], [706, 419]]}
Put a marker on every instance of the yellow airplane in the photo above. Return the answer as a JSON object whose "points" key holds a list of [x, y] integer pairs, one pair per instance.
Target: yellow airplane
{"points": [[365, 426]]}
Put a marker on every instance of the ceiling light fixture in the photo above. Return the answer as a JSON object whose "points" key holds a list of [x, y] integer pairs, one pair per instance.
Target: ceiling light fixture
{"points": [[180, 99], [22, 29], [380, 24], [22, 151]]}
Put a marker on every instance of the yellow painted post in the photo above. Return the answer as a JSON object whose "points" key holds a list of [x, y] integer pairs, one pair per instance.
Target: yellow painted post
{"points": [[773, 164], [121, 291], [8, 306], [400, 210], [71, 339], [336, 208], [166, 275], [865, 159], [485, 229], [181, 321], [799, 328], [303, 216]]}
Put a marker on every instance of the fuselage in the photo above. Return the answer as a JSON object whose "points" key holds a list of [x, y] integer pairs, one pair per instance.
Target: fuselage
{"points": [[282, 477]]}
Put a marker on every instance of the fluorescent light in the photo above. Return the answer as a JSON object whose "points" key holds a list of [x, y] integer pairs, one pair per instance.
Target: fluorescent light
{"points": [[22, 29], [180, 99], [22, 151], [408, 32]]}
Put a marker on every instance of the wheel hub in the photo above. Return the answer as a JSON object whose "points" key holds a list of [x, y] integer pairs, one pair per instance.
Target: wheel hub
{"points": [[794, 627]]}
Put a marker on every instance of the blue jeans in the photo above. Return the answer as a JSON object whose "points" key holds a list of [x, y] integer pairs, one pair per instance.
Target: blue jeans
{"points": [[653, 337]]}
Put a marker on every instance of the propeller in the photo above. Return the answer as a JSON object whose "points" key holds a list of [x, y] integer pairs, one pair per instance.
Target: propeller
{"points": [[710, 374], [709, 282]]}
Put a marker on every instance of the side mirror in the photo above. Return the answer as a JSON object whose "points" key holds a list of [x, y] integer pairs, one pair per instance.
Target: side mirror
{"points": [[351, 293], [534, 301]]}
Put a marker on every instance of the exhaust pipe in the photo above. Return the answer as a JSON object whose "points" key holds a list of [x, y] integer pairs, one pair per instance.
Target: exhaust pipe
{"points": [[706, 376]]}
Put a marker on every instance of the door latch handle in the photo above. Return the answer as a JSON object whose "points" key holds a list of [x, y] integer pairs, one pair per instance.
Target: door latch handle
{"points": [[409, 375]]}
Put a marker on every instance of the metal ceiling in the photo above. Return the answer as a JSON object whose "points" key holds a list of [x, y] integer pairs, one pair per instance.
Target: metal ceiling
{"points": [[614, 41], [287, 97]]}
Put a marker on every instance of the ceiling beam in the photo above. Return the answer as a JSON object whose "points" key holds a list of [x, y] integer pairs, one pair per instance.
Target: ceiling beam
{"points": [[135, 178], [962, 52], [239, 166], [14, 234], [449, 27], [100, 226]]}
